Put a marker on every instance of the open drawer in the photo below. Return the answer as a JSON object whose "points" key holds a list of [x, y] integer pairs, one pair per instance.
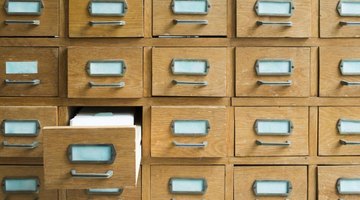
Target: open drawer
{"points": [[94, 156]]}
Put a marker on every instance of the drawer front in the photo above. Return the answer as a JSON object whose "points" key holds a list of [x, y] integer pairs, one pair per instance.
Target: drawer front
{"points": [[339, 18], [105, 73], [112, 157], [189, 131], [189, 71], [270, 182], [29, 18], [338, 182], [24, 182], [262, 18], [28, 71], [273, 72], [339, 75], [94, 18], [271, 131], [187, 182], [21, 130], [339, 130], [107, 193], [179, 17]]}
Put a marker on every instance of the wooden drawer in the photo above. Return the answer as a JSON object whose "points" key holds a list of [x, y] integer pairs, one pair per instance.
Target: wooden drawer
{"points": [[271, 131], [107, 194], [263, 18], [339, 18], [28, 71], [338, 182], [179, 17], [187, 182], [105, 72], [189, 131], [189, 72], [24, 183], [111, 163], [21, 129], [338, 74], [339, 129], [29, 18], [95, 18], [273, 72], [270, 182]]}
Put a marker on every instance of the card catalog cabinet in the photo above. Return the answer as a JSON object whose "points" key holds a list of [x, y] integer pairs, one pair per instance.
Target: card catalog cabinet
{"points": [[180, 99]]}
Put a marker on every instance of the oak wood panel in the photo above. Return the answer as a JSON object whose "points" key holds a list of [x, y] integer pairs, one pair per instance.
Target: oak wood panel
{"points": [[128, 193], [26, 171], [162, 137], [163, 17], [245, 135], [330, 21], [214, 175], [327, 177], [57, 166], [247, 18], [78, 78], [49, 22], [329, 136], [162, 76], [47, 59], [46, 115], [79, 19], [244, 178], [246, 77], [330, 76]]}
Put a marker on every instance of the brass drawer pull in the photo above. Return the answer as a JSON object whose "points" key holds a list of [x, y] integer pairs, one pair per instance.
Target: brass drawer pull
{"points": [[342, 23], [191, 145], [105, 175], [22, 82], [107, 23], [200, 22], [344, 142], [198, 83], [349, 83], [287, 24], [107, 85], [26, 22], [25, 146], [275, 83], [286, 143]]}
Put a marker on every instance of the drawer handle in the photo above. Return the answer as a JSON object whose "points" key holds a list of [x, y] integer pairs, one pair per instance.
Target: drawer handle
{"points": [[342, 23], [107, 85], [25, 146], [105, 175], [287, 24], [198, 83], [22, 82], [349, 83], [275, 83], [344, 142], [107, 23], [26, 22], [191, 145], [200, 22], [286, 143], [105, 191]]}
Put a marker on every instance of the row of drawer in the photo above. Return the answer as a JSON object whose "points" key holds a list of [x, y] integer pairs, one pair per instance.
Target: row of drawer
{"points": [[121, 18], [100, 72], [192, 132], [194, 182]]}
